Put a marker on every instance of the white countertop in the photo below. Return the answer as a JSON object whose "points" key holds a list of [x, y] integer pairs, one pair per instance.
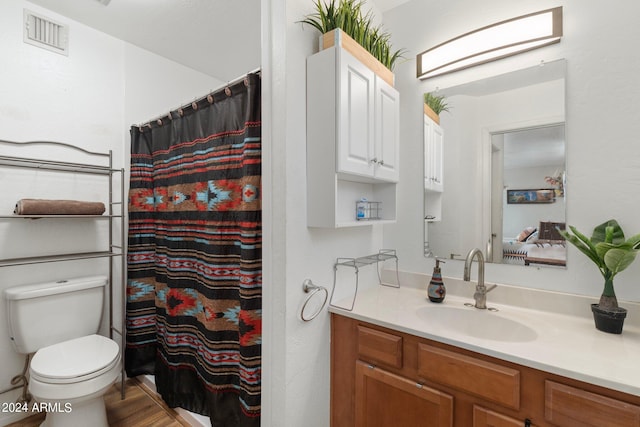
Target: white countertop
{"points": [[563, 344]]}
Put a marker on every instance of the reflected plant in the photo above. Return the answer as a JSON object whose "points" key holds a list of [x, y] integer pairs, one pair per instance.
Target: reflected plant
{"points": [[556, 180], [436, 103]]}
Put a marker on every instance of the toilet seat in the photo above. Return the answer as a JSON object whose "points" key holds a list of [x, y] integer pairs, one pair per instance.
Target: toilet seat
{"points": [[76, 360]]}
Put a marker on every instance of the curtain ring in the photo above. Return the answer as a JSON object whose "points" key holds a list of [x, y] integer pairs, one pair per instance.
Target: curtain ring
{"points": [[194, 105], [159, 122], [141, 129], [227, 91], [246, 81], [170, 116], [210, 98], [180, 112]]}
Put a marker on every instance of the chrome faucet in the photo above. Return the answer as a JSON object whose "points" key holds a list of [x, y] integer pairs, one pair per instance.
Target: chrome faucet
{"points": [[481, 292]]}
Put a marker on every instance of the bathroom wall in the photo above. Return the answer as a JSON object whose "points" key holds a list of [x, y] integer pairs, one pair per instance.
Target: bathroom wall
{"points": [[602, 124], [89, 98], [296, 354]]}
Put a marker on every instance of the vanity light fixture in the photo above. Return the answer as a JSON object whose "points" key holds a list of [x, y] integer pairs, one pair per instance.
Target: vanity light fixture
{"points": [[506, 38]]}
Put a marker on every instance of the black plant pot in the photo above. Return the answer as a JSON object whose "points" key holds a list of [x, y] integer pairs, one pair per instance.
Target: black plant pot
{"points": [[609, 320]]}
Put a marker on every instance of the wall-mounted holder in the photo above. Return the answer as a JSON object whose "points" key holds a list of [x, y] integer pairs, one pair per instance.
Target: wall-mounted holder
{"points": [[368, 211], [356, 263], [309, 288]]}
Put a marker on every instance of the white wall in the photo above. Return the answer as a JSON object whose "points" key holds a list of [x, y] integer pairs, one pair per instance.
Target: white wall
{"points": [[602, 124], [518, 216], [296, 356], [90, 99]]}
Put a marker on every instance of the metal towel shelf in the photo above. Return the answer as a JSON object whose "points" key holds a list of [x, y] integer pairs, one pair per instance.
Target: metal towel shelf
{"points": [[355, 263]]}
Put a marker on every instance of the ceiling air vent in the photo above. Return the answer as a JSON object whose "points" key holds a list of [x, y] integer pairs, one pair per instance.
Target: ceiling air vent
{"points": [[45, 33]]}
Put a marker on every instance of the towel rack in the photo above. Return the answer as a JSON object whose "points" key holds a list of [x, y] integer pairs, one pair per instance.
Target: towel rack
{"points": [[356, 263], [99, 164], [309, 288]]}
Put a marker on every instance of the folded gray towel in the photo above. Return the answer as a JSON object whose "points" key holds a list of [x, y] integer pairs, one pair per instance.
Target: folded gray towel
{"points": [[58, 207]]}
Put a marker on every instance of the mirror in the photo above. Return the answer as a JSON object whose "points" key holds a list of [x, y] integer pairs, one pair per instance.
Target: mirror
{"points": [[494, 169]]}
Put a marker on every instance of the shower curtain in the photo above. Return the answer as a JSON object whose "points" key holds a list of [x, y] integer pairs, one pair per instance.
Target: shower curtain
{"points": [[194, 256]]}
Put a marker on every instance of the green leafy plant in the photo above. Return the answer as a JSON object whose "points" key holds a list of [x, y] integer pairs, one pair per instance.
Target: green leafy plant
{"points": [[347, 15], [436, 103], [609, 250]]}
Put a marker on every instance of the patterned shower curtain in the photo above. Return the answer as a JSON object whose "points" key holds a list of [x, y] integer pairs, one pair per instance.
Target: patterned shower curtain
{"points": [[194, 256]]}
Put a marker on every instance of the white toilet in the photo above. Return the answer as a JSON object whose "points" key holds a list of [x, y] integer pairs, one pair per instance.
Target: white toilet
{"points": [[72, 367]]}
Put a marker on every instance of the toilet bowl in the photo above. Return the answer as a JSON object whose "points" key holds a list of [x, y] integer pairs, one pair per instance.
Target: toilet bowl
{"points": [[68, 380]]}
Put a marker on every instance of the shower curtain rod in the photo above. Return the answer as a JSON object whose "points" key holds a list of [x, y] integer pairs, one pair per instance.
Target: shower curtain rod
{"points": [[193, 105]]}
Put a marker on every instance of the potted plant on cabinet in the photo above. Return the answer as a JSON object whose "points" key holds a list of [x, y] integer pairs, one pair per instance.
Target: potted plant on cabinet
{"points": [[434, 105], [344, 24], [611, 253]]}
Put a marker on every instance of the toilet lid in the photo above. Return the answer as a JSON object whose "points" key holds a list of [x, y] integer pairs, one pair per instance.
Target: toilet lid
{"points": [[80, 357]]}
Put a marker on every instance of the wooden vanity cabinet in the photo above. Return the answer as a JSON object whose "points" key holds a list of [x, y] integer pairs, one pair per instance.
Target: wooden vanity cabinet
{"points": [[385, 378]]}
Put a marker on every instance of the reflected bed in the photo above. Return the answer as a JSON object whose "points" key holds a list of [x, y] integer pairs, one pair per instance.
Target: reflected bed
{"points": [[542, 245]]}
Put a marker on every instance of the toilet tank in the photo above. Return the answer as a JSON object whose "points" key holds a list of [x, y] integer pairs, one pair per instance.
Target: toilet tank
{"points": [[43, 314]]}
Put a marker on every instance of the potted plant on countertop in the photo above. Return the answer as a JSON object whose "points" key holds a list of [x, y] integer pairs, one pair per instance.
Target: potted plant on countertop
{"points": [[344, 24], [611, 253], [434, 105]]}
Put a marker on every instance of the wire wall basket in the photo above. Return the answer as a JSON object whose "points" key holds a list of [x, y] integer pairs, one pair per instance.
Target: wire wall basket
{"points": [[368, 211]]}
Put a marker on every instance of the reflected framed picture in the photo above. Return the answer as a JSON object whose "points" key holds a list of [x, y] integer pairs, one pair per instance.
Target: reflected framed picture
{"points": [[542, 195]]}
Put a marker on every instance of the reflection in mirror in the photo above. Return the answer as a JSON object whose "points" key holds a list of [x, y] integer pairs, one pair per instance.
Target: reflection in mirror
{"points": [[500, 161], [528, 198]]}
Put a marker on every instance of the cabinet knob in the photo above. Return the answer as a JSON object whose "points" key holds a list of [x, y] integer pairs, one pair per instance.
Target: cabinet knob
{"points": [[381, 162], [374, 160]]}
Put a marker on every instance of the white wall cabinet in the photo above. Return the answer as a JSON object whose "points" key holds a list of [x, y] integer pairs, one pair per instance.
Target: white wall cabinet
{"points": [[353, 121], [433, 155]]}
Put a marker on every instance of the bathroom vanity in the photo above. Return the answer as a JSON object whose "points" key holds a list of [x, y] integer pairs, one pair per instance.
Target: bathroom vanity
{"points": [[398, 360]]}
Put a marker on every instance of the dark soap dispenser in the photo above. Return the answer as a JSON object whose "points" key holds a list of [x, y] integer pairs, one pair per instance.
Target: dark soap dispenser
{"points": [[436, 290]]}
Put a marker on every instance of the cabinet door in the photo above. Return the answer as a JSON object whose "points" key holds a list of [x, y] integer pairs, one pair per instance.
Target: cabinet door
{"points": [[384, 399], [428, 155], [570, 406], [485, 418], [387, 131], [438, 157], [433, 155], [355, 145]]}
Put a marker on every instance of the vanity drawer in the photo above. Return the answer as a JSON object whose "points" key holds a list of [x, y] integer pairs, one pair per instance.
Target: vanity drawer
{"points": [[483, 417], [377, 346], [566, 405], [487, 380]]}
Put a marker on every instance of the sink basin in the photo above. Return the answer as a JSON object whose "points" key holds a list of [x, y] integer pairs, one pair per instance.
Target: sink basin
{"points": [[482, 324]]}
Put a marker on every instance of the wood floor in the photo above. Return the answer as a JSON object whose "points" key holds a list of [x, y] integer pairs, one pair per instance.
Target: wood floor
{"points": [[140, 408]]}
